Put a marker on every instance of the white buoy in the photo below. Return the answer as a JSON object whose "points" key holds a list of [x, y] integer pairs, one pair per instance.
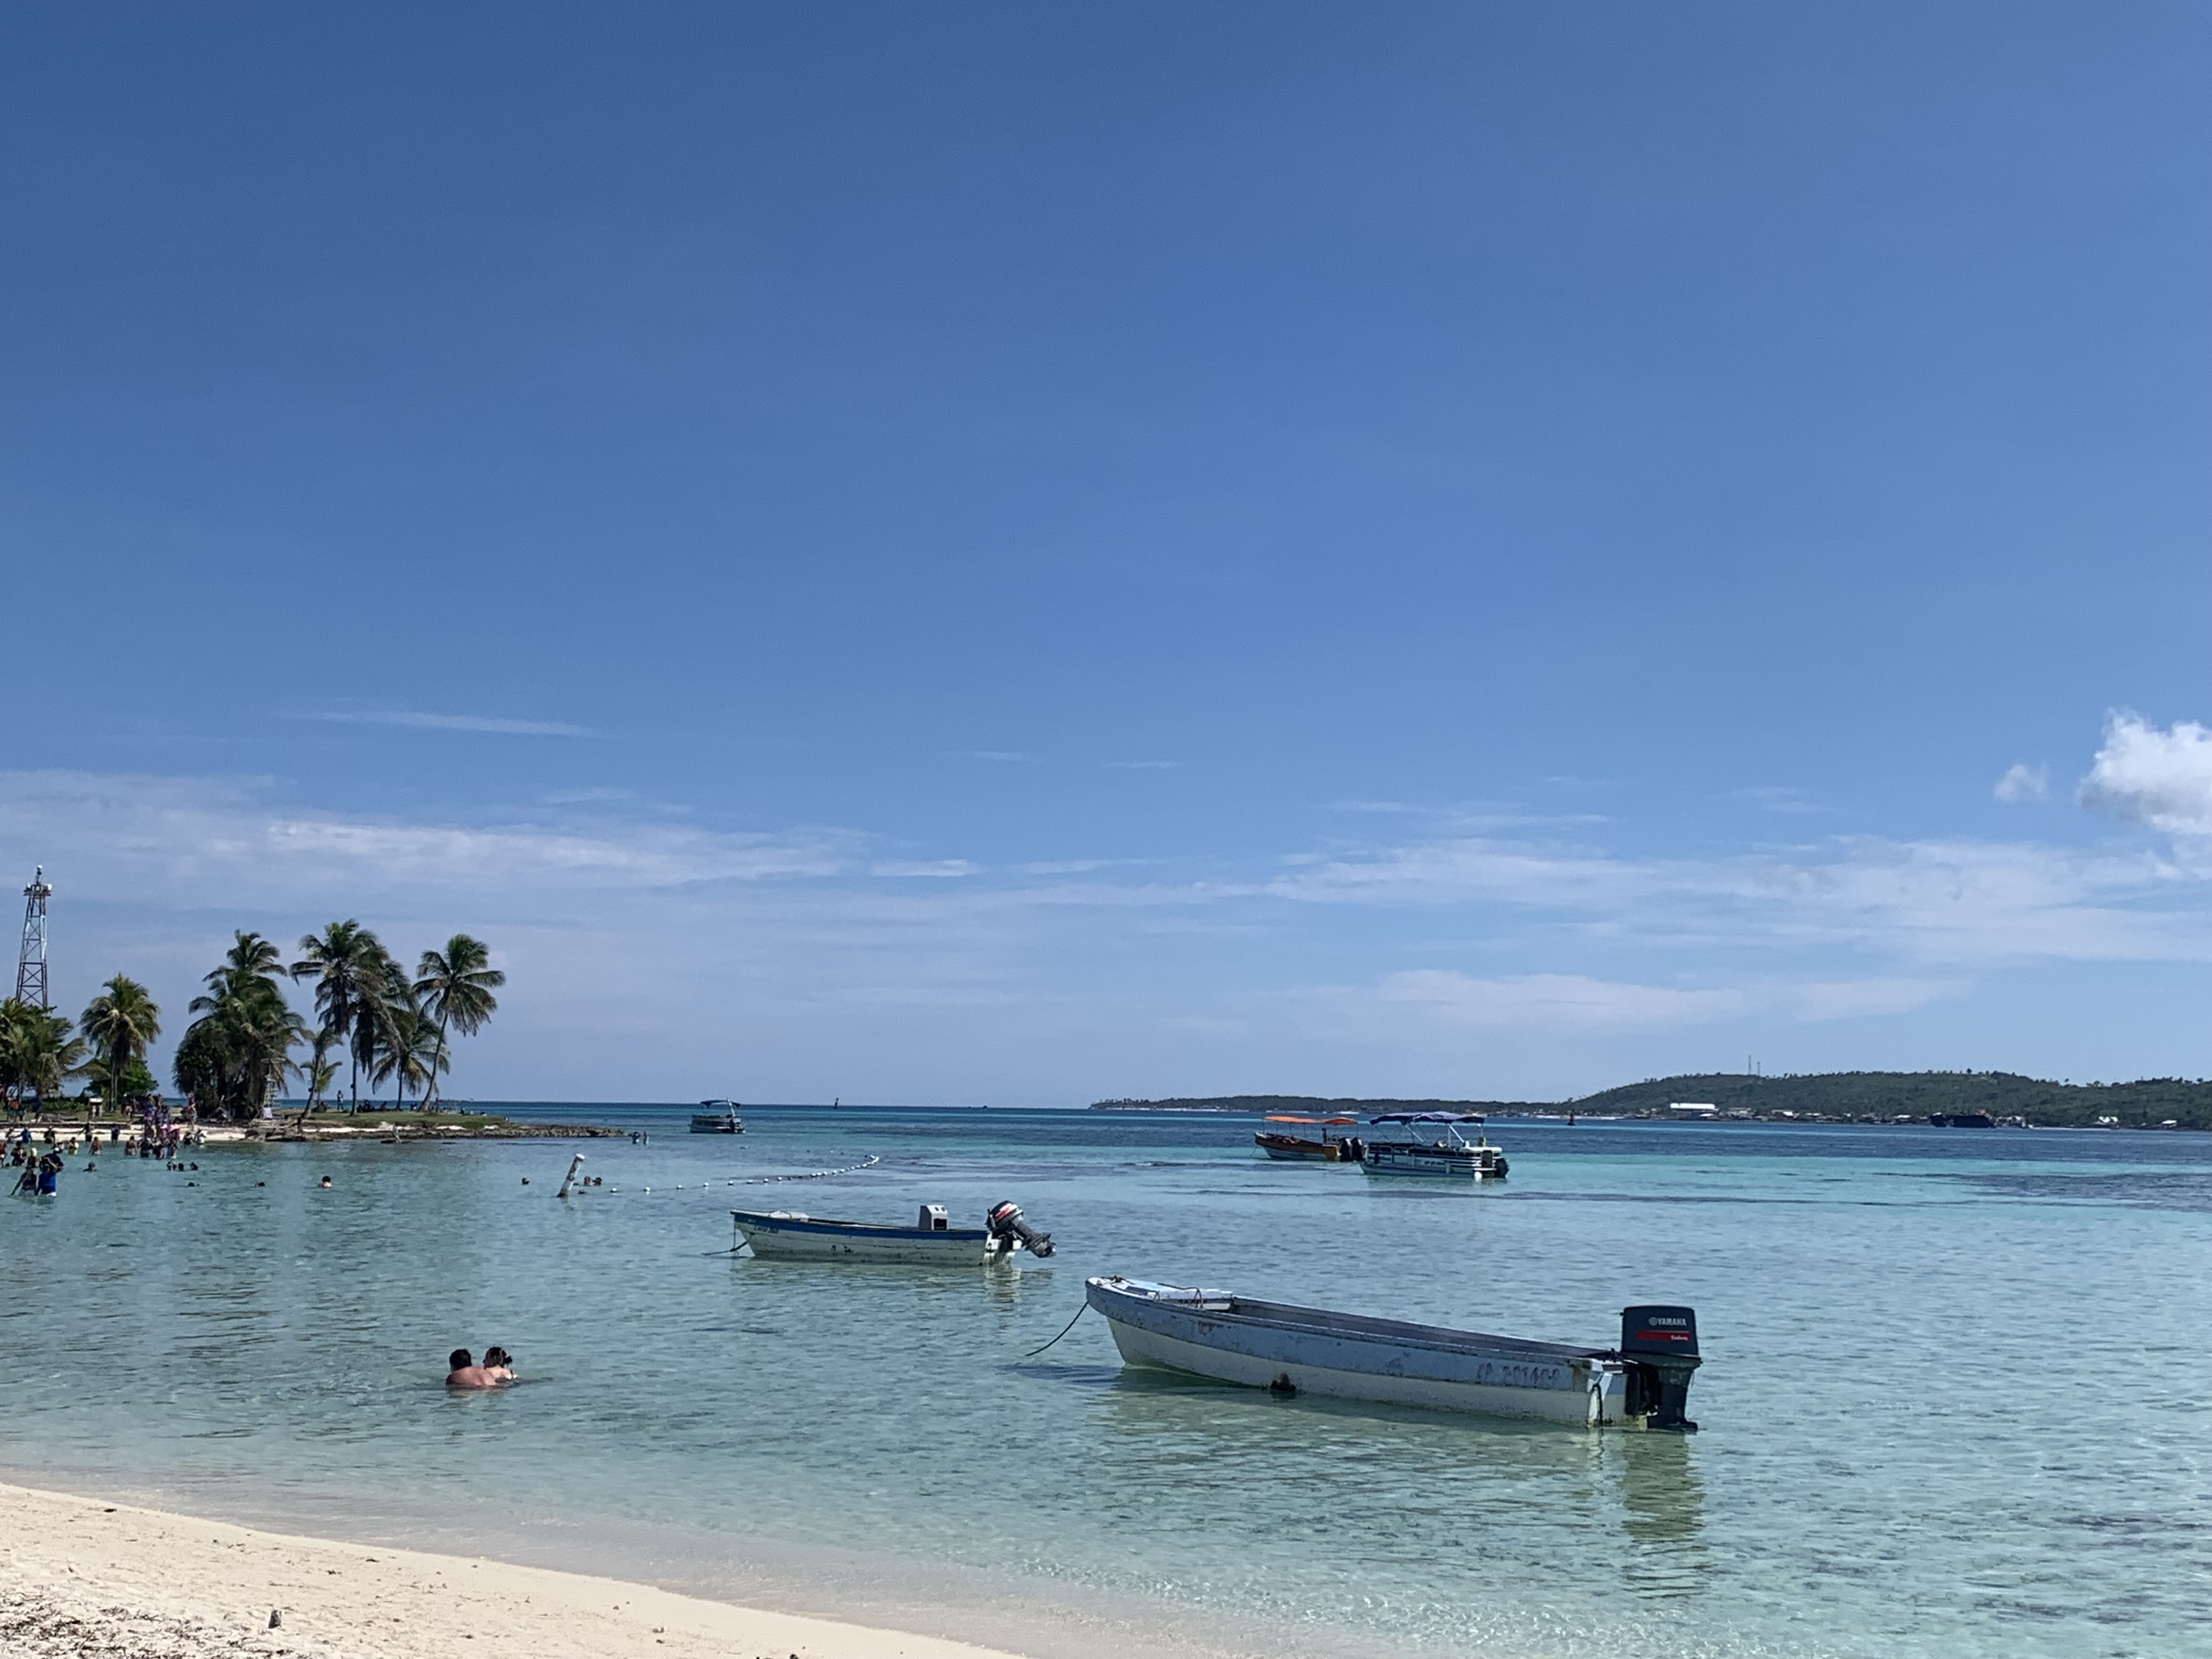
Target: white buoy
{"points": [[568, 1180]]}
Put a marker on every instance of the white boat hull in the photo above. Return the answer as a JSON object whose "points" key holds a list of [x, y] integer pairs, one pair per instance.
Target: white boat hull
{"points": [[1587, 1401], [802, 1238], [1211, 1334]]}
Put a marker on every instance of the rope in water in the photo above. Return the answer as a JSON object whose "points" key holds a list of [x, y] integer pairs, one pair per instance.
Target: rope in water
{"points": [[739, 1181], [1064, 1330]]}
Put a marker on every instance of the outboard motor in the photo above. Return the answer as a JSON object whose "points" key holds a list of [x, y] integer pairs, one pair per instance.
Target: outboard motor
{"points": [[1007, 1228], [1661, 1343]]}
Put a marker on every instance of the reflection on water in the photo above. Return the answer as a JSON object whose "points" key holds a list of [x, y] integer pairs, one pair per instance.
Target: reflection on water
{"points": [[280, 1350], [1663, 1505]]}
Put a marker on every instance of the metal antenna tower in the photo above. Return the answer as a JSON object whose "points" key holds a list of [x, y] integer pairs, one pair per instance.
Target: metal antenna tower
{"points": [[31, 965]]}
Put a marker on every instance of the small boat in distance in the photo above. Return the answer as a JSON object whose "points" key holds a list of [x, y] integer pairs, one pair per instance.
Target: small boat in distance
{"points": [[1421, 1154], [791, 1236], [717, 1117], [1289, 1145], [1642, 1384]]}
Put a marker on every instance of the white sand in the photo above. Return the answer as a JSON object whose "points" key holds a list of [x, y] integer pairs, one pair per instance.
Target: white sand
{"points": [[82, 1577]]}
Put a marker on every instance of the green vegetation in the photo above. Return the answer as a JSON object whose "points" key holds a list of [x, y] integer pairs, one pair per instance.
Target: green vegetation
{"points": [[1832, 1096], [1303, 1105], [119, 1025], [234, 1057], [237, 1052], [38, 1053], [1883, 1095], [389, 1026]]}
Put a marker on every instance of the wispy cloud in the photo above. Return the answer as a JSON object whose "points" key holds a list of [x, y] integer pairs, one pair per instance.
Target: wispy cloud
{"points": [[926, 868], [2023, 782], [498, 723], [1143, 765], [1005, 757], [1777, 798], [2161, 778], [1578, 1004]]}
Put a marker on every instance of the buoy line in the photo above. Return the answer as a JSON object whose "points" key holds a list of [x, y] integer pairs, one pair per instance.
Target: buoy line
{"points": [[734, 1181]]}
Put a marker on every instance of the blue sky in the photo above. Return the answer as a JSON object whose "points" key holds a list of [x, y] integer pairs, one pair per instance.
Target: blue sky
{"points": [[1027, 553]]}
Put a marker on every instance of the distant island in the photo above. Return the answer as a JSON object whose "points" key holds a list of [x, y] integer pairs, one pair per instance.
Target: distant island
{"points": [[1303, 1105], [2004, 1098]]}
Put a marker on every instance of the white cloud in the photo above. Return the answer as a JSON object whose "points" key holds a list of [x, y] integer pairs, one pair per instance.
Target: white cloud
{"points": [[2163, 779], [1775, 798], [2023, 782], [494, 723], [923, 867], [1578, 1004]]}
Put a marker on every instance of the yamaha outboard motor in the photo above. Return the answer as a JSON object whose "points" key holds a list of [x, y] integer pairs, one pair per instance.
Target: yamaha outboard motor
{"points": [[1006, 1224], [1661, 1343]]}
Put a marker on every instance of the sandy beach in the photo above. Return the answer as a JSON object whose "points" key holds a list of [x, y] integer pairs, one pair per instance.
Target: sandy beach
{"points": [[84, 1576]]}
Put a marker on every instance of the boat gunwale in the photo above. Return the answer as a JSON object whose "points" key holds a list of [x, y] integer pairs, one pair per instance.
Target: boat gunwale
{"points": [[815, 1223], [1323, 1322]]}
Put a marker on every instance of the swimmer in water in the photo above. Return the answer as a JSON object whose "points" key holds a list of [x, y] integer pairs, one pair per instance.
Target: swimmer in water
{"points": [[499, 1365], [464, 1372], [324, 1182]]}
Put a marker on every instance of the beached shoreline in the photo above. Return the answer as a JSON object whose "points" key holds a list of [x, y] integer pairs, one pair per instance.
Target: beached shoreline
{"points": [[85, 1577]]}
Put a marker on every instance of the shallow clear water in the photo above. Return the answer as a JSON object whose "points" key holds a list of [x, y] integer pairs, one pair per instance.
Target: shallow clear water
{"points": [[1953, 1401]]}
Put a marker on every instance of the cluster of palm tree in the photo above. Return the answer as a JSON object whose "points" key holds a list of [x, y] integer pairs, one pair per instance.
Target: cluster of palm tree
{"points": [[39, 1051], [234, 1057], [392, 1027]]}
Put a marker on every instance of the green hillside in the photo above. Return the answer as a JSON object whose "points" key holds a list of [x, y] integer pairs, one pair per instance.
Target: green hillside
{"points": [[1852, 1095], [1303, 1105], [1832, 1096]]}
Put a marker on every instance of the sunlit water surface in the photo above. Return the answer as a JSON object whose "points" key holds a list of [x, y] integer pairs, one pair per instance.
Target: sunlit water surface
{"points": [[1954, 1400]]}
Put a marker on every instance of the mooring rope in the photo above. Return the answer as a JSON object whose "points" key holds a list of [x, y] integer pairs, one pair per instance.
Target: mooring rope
{"points": [[1064, 1330], [737, 1180]]}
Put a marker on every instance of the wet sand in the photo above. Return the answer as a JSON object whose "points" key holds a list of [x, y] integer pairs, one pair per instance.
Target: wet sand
{"points": [[86, 1577]]}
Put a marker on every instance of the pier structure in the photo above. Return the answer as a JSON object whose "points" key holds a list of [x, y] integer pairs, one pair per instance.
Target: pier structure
{"points": [[31, 961]]}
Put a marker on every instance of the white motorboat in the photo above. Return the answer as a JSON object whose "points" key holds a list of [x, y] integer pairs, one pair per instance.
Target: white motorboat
{"points": [[790, 1236], [717, 1117], [1420, 1150], [1644, 1384]]}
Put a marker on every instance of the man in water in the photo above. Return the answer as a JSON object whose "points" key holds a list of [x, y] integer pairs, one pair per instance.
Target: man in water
{"points": [[465, 1373]]}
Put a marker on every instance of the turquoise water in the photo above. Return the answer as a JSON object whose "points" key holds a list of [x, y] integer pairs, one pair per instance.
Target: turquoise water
{"points": [[1954, 1399]]}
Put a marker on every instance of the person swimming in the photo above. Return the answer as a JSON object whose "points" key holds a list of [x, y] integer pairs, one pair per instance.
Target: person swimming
{"points": [[464, 1372], [499, 1364]]}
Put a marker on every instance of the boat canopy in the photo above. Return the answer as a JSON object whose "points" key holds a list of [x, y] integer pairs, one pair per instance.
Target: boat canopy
{"points": [[1284, 1117], [1428, 1117]]}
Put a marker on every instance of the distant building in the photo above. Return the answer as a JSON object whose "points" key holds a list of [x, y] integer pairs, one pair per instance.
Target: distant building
{"points": [[1692, 1108]]}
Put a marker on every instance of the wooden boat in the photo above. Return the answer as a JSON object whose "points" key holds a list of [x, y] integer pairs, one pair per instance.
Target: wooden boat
{"points": [[791, 1236], [1643, 1383], [1288, 1145], [1420, 1150], [718, 1117]]}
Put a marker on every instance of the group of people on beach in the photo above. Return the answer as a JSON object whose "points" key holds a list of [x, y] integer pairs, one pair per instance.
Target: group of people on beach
{"points": [[462, 1372]]}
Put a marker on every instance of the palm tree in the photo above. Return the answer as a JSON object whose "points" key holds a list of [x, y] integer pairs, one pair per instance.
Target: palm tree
{"points": [[347, 963], [236, 1053], [455, 985], [121, 1024], [38, 1051], [411, 1056]]}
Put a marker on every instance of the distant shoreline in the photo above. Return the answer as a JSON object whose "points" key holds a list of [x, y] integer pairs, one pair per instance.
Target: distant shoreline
{"points": [[2006, 1099]]}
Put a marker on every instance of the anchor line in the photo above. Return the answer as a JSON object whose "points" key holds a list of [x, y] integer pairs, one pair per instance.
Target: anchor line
{"points": [[869, 1162], [1064, 1330]]}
